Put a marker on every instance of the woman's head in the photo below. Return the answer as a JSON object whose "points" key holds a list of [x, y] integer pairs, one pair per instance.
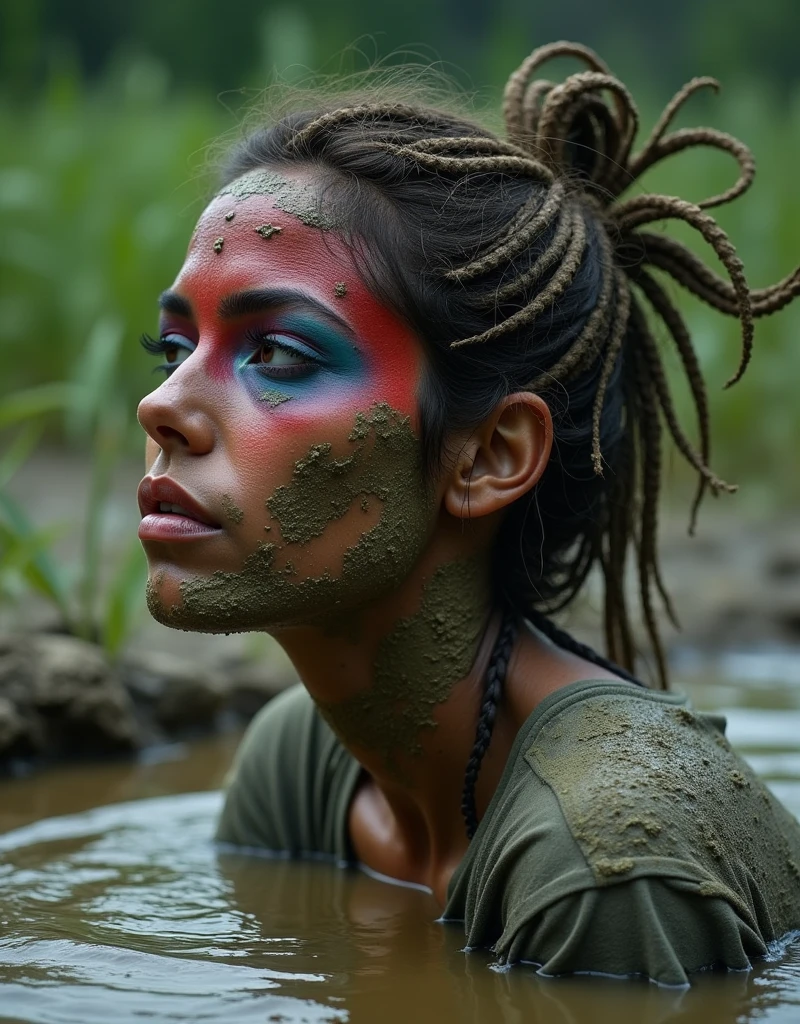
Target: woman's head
{"points": [[471, 269], [290, 411]]}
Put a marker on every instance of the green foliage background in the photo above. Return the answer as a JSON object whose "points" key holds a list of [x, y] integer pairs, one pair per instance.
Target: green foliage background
{"points": [[107, 112]]}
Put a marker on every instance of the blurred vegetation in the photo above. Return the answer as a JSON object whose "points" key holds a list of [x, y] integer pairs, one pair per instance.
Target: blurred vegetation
{"points": [[99, 419], [106, 115], [211, 46]]}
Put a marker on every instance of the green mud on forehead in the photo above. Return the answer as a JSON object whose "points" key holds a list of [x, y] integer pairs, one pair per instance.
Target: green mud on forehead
{"points": [[417, 666], [385, 462], [302, 199]]}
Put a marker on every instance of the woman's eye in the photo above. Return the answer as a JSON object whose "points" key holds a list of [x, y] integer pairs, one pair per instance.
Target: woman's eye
{"points": [[269, 354], [280, 360], [173, 349], [174, 355]]}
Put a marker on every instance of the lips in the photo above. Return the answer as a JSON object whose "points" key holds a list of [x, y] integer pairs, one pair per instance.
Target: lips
{"points": [[169, 513]]}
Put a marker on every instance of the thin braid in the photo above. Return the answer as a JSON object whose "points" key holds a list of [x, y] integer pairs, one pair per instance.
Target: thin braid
{"points": [[532, 105], [456, 146], [492, 691], [650, 457], [668, 115], [595, 329], [676, 142], [622, 510], [554, 288], [651, 369], [561, 638], [513, 99], [567, 225], [607, 168], [561, 104], [691, 273], [663, 306], [618, 331], [647, 208], [460, 165], [658, 376], [518, 238], [360, 112]]}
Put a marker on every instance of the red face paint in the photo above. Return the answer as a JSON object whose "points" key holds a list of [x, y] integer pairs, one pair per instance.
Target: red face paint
{"points": [[275, 343]]}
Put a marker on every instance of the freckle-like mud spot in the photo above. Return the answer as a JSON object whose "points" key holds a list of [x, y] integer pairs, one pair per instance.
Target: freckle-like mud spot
{"points": [[267, 231]]}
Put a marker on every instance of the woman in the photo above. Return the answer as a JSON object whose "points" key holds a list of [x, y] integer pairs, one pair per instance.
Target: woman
{"points": [[413, 397]]}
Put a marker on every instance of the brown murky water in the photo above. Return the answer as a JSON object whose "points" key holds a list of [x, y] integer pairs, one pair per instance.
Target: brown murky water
{"points": [[121, 909]]}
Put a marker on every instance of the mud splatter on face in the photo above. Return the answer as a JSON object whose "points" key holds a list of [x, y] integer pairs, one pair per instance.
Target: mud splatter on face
{"points": [[274, 398], [417, 666], [340, 289], [153, 588], [218, 244], [302, 199], [232, 511], [267, 231], [385, 462], [343, 480], [230, 215]]}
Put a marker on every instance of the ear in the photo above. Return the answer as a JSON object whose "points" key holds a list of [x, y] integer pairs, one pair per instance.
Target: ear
{"points": [[502, 459]]}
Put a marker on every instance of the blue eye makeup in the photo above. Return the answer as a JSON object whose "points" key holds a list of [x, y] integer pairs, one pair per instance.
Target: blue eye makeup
{"points": [[293, 350], [301, 356], [320, 340], [279, 357]]}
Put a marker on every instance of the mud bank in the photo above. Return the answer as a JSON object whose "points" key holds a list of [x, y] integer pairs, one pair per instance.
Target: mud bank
{"points": [[62, 698]]}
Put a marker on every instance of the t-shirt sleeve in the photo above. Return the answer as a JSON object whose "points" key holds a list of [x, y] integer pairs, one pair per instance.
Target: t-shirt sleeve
{"points": [[290, 784], [658, 928]]}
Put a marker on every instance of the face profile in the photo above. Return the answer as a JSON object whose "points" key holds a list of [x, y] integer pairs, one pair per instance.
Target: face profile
{"points": [[284, 467]]}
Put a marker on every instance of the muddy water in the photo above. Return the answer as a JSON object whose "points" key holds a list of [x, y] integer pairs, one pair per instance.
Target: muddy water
{"points": [[121, 910]]}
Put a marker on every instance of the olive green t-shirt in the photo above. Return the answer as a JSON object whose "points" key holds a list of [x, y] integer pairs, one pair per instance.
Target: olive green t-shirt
{"points": [[625, 836]]}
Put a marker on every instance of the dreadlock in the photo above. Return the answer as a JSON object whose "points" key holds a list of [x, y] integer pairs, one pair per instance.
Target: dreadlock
{"points": [[520, 266]]}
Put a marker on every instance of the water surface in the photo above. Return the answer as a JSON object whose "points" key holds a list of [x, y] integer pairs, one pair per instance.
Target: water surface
{"points": [[127, 912]]}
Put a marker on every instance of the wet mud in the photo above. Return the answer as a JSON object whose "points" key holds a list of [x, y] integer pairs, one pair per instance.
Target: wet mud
{"points": [[129, 905]]}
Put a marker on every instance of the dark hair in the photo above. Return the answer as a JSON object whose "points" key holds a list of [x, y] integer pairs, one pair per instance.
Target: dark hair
{"points": [[513, 261], [519, 268]]}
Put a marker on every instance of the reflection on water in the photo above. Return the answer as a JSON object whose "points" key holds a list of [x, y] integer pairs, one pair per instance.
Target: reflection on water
{"points": [[127, 913]]}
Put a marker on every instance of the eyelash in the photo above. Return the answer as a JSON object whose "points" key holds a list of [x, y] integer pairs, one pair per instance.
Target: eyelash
{"points": [[257, 339], [159, 347]]}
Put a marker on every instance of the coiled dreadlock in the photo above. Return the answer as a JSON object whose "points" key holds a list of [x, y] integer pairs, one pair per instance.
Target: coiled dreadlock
{"points": [[521, 267]]}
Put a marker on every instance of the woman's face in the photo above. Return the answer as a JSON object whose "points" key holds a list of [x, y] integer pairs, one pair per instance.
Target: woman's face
{"points": [[287, 425]]}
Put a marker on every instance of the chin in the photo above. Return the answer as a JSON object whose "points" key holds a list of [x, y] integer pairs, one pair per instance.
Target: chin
{"points": [[166, 605], [261, 597]]}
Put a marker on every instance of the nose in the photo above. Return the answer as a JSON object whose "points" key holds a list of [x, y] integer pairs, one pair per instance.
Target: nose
{"points": [[174, 422]]}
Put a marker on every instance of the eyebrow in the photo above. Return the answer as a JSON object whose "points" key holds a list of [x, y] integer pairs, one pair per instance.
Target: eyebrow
{"points": [[257, 300], [171, 302]]}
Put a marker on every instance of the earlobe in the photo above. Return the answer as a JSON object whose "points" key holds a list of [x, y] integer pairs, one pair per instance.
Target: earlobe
{"points": [[502, 459]]}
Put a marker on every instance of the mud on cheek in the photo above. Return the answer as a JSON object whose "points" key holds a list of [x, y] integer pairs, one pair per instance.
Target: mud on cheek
{"points": [[380, 478]]}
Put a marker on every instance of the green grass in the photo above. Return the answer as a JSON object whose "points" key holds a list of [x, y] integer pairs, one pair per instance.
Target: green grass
{"points": [[98, 196]]}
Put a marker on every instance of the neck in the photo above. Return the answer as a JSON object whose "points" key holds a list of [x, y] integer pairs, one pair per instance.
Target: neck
{"points": [[401, 687]]}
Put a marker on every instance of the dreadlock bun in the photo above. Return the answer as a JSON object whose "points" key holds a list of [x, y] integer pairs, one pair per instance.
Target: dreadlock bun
{"points": [[522, 265]]}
